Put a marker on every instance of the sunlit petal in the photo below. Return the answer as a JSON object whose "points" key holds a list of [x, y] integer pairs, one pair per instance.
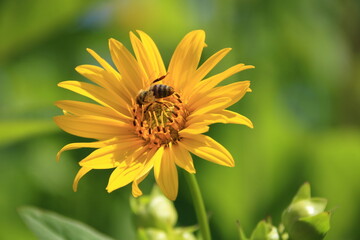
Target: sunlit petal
{"points": [[207, 148], [182, 158], [92, 126], [98, 94], [234, 92], [185, 59], [73, 146], [134, 76], [165, 173], [79, 175], [111, 156], [223, 116]]}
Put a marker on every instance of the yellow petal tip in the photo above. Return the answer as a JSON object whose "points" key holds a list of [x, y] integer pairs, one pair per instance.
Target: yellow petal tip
{"points": [[89, 50]]}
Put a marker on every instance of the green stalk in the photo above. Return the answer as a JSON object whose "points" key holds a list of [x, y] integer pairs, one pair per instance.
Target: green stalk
{"points": [[198, 205]]}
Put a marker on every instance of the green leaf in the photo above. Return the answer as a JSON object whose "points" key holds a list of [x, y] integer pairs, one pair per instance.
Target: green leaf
{"points": [[311, 228], [304, 192], [51, 226]]}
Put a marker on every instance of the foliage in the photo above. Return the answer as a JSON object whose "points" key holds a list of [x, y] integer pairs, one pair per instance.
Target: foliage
{"points": [[47, 225], [304, 218]]}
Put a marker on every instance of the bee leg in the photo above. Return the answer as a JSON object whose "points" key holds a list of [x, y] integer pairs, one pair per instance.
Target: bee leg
{"points": [[178, 97], [163, 104], [156, 121], [147, 107]]}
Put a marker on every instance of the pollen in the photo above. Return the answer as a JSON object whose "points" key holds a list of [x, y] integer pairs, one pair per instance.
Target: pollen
{"points": [[159, 123]]}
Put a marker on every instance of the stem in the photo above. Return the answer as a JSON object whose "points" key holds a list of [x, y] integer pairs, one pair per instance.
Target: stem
{"points": [[198, 205]]}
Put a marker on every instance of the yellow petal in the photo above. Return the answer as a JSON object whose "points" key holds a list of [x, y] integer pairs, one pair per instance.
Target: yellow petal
{"points": [[207, 84], [196, 128], [98, 75], [166, 174], [210, 63], [147, 59], [128, 170], [207, 148], [136, 191], [224, 116], [110, 156], [79, 175], [147, 166], [72, 146], [83, 108], [185, 59], [98, 94], [234, 92], [102, 62], [113, 83], [133, 75], [92, 127], [213, 105], [205, 68], [123, 175], [182, 158], [153, 52]]}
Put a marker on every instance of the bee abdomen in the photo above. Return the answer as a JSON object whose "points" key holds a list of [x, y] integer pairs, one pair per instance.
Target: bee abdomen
{"points": [[161, 90]]}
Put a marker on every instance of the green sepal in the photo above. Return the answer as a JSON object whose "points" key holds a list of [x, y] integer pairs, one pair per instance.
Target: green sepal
{"points": [[242, 235], [311, 228], [303, 208], [304, 192], [264, 231], [185, 233], [150, 234]]}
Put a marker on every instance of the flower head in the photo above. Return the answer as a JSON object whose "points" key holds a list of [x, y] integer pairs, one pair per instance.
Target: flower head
{"points": [[147, 117]]}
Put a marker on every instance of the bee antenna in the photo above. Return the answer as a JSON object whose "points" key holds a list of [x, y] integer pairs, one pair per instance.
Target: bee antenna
{"points": [[160, 78]]}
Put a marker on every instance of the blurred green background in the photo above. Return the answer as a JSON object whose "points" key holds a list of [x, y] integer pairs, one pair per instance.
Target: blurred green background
{"points": [[305, 107]]}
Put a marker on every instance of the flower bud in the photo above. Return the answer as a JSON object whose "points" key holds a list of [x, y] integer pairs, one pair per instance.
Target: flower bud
{"points": [[185, 233], [305, 217], [154, 211], [263, 230], [151, 234]]}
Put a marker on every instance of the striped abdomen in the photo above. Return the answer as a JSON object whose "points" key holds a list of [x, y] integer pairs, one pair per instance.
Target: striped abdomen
{"points": [[161, 90]]}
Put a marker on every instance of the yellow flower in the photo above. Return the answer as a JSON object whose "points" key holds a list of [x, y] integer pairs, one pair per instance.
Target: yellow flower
{"points": [[148, 117]]}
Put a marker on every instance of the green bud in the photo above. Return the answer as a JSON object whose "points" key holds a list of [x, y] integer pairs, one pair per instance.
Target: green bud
{"points": [[305, 217], [303, 208], [185, 233], [265, 231], [162, 211], [154, 211], [151, 234]]}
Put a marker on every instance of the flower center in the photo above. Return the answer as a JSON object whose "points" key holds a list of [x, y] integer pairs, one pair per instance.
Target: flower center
{"points": [[159, 122]]}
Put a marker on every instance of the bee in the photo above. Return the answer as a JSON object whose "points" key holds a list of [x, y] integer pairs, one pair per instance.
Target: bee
{"points": [[154, 93]]}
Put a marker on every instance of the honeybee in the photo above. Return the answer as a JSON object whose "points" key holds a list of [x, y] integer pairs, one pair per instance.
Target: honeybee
{"points": [[154, 93]]}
